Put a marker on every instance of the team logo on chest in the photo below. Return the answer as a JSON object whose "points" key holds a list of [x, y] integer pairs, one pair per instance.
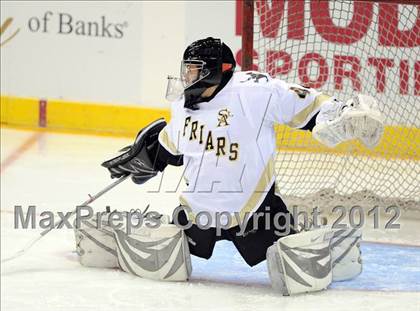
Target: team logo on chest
{"points": [[194, 131], [222, 119]]}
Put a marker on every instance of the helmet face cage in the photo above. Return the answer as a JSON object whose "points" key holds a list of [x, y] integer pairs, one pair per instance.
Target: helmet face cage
{"points": [[193, 71], [202, 67], [174, 88]]}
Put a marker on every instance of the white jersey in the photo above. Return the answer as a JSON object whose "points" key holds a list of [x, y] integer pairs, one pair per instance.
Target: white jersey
{"points": [[229, 143]]}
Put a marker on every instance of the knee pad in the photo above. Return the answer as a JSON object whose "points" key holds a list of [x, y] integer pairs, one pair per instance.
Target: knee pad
{"points": [[155, 253], [345, 254], [95, 244], [300, 262]]}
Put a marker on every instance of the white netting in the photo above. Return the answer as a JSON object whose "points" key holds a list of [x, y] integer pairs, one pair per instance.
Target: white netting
{"points": [[343, 48]]}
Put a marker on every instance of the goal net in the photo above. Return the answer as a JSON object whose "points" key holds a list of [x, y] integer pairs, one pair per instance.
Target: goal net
{"points": [[344, 48]]}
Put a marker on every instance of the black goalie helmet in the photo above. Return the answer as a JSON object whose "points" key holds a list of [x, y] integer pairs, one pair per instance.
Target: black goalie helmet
{"points": [[205, 63]]}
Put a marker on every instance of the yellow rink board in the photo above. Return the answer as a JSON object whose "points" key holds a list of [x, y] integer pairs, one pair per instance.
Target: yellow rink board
{"points": [[117, 120]]}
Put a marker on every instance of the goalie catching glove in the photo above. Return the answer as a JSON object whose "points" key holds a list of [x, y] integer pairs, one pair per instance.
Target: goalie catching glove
{"points": [[357, 118], [139, 158]]}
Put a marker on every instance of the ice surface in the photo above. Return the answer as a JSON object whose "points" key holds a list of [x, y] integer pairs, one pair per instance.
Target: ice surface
{"points": [[56, 172]]}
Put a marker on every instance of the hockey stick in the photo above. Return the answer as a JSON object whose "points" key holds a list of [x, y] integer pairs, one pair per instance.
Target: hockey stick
{"points": [[58, 223]]}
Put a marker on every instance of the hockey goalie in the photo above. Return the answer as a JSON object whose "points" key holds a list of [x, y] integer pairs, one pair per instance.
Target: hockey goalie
{"points": [[222, 132]]}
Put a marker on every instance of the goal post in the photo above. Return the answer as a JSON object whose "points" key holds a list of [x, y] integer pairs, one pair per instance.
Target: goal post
{"points": [[343, 48]]}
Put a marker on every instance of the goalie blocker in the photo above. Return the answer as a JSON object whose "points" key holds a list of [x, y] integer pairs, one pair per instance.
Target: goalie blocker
{"points": [[140, 158]]}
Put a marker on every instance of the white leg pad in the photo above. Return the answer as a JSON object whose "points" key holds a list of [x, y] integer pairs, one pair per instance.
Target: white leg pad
{"points": [[161, 253], [95, 245], [345, 254], [301, 262]]}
